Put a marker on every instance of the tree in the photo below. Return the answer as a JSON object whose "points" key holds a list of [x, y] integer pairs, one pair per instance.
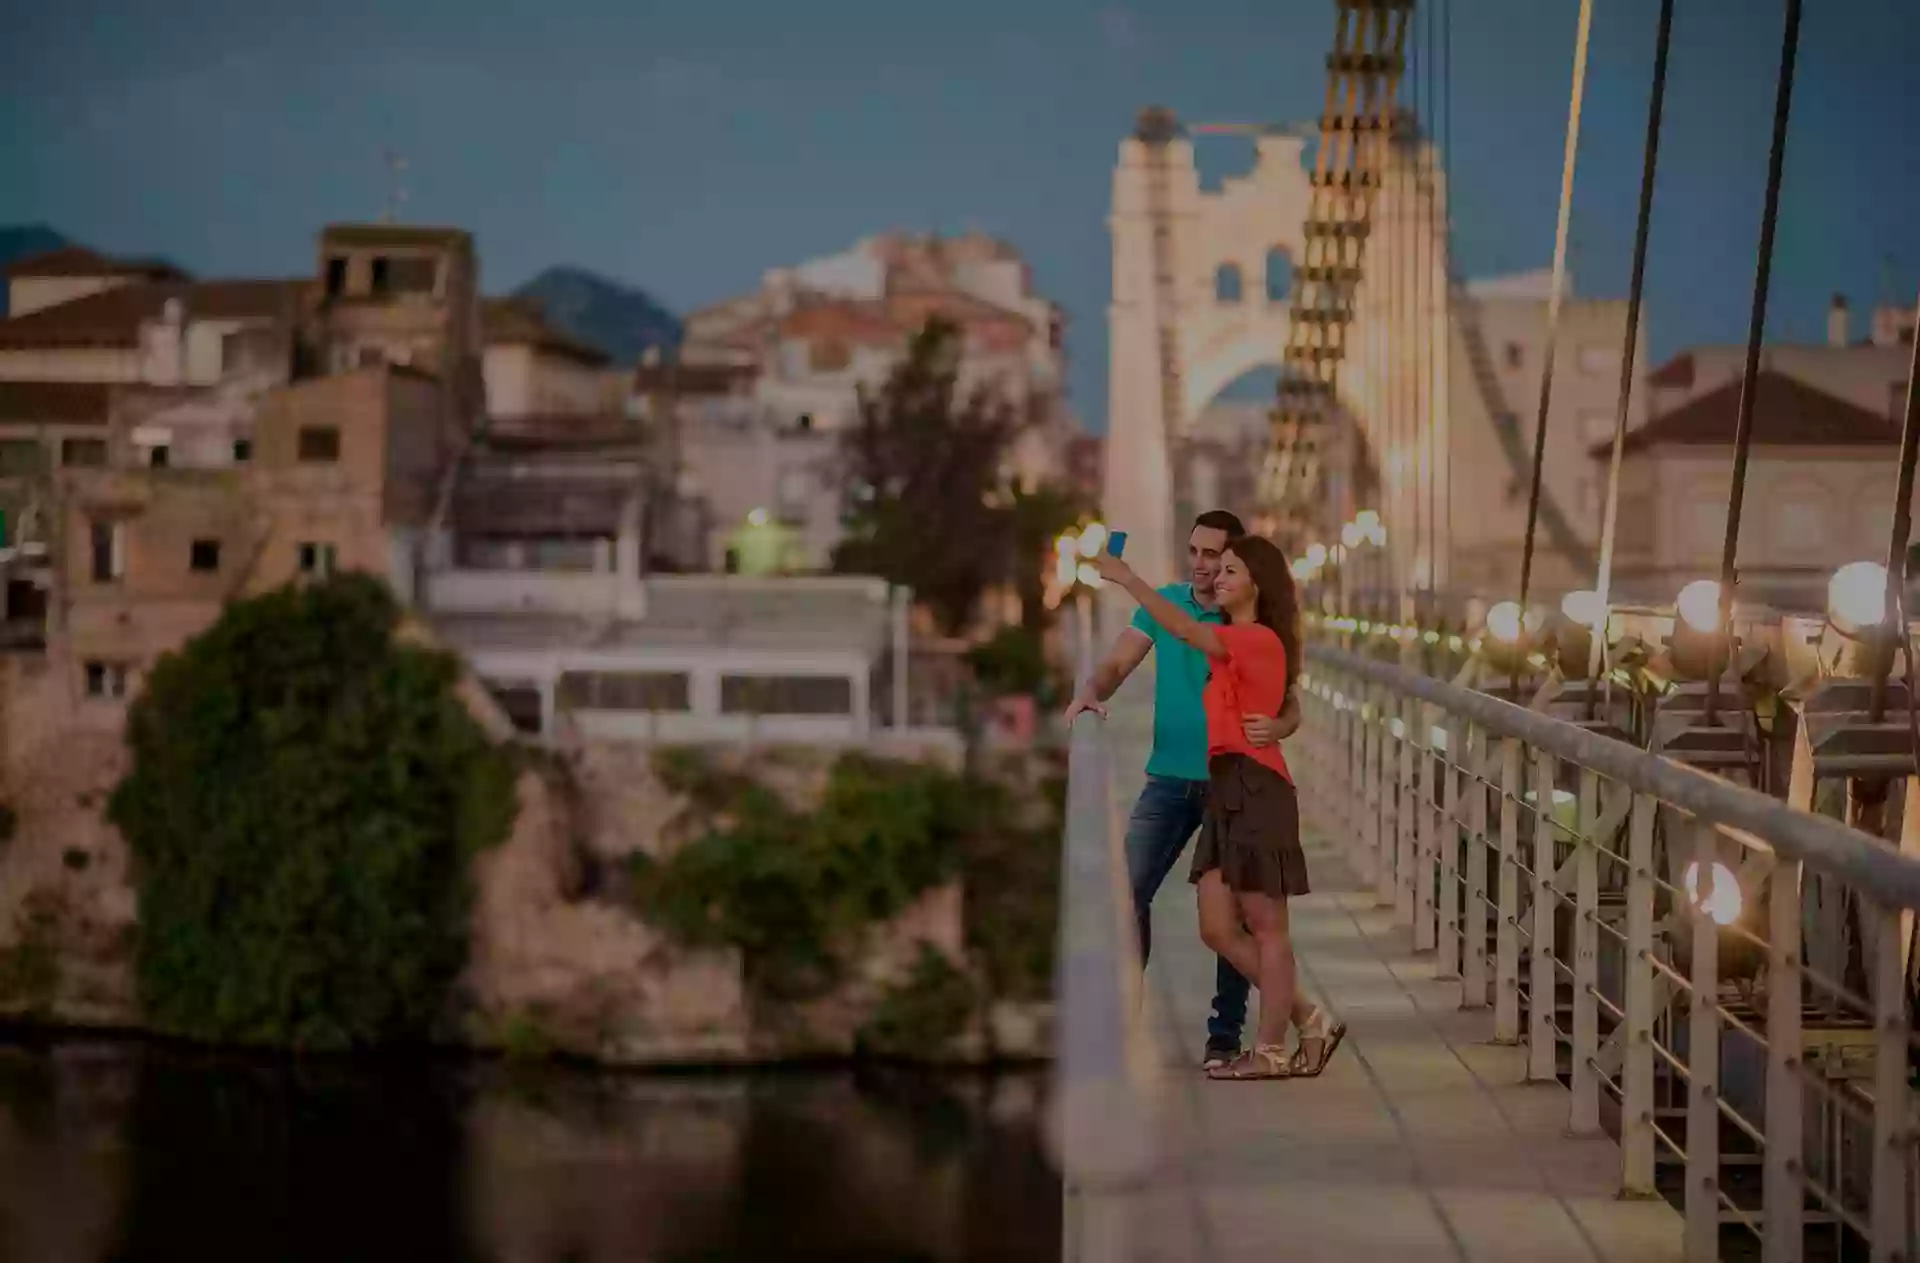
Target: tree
{"points": [[923, 479], [305, 795]]}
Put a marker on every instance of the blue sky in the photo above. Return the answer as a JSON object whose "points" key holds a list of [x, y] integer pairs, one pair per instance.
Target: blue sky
{"points": [[686, 148]]}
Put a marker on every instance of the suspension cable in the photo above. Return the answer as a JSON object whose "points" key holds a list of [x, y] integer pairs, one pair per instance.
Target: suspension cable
{"points": [[1610, 515], [1430, 428], [1446, 270], [1756, 327], [1897, 545], [1576, 99]]}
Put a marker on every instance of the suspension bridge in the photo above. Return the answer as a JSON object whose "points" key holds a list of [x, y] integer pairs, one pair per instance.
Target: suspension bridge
{"points": [[1618, 900]]}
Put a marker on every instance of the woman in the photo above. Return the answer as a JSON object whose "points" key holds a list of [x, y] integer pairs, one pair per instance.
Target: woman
{"points": [[1248, 861]]}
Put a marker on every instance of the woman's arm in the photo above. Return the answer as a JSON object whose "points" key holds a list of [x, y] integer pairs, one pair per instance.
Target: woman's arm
{"points": [[1202, 636]]}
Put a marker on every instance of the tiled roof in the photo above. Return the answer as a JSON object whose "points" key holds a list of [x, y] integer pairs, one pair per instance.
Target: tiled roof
{"points": [[1786, 413], [516, 322], [80, 261], [112, 318], [73, 403]]}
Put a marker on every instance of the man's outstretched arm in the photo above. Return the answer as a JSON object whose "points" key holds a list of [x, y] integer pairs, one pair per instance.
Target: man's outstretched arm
{"points": [[1128, 652], [1266, 730]]}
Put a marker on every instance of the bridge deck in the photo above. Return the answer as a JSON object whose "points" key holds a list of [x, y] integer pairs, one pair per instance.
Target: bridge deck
{"points": [[1421, 1142]]}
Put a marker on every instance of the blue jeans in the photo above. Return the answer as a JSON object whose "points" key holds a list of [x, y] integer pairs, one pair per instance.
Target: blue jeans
{"points": [[1165, 816]]}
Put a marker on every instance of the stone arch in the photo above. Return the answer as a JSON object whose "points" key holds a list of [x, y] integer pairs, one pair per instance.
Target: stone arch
{"points": [[1228, 289], [1279, 274]]}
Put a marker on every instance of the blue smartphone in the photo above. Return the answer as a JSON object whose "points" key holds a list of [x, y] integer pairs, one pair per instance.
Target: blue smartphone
{"points": [[1117, 542]]}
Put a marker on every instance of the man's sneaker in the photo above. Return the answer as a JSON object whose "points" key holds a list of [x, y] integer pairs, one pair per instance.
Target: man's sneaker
{"points": [[1219, 1053]]}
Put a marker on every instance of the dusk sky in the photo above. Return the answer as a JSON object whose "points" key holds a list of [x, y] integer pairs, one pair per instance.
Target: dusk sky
{"points": [[686, 148]]}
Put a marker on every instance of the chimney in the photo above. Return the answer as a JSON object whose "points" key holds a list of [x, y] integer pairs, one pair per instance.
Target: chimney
{"points": [[1837, 321]]}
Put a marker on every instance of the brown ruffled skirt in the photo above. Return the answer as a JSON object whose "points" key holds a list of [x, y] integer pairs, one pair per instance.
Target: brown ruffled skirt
{"points": [[1251, 829]]}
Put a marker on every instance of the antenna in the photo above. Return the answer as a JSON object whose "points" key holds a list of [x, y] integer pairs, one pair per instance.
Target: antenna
{"points": [[396, 184]]}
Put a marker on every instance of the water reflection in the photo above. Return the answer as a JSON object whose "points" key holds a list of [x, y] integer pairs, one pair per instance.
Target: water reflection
{"points": [[128, 1151]]}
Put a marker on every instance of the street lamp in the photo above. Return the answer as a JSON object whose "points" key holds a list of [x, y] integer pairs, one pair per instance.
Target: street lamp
{"points": [[1074, 574]]}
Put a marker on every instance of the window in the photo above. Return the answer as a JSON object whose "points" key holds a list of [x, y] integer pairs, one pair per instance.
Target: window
{"points": [[412, 276], [1515, 356], [520, 703], [107, 555], [336, 276], [786, 695], [242, 451], [19, 457], [204, 555], [106, 679], [83, 453], [666, 691], [1279, 275], [1226, 284], [792, 492], [382, 275], [159, 456], [317, 559], [1597, 357], [319, 444]]}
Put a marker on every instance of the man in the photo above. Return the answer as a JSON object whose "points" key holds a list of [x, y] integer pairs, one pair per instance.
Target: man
{"points": [[1168, 811]]}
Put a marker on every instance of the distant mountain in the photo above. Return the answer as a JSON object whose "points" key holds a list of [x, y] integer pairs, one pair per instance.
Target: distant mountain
{"points": [[21, 241], [617, 319]]}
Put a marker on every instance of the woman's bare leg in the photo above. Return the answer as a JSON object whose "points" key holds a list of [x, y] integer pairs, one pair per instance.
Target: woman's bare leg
{"points": [[1266, 918], [1222, 931]]}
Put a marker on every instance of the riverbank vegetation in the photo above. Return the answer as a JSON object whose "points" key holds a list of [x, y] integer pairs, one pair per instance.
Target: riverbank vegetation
{"points": [[305, 796]]}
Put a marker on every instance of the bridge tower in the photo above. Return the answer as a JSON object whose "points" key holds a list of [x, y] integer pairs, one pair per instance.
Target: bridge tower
{"points": [[1202, 283]]}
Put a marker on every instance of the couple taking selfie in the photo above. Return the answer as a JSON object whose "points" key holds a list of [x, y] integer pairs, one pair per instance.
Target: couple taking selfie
{"points": [[1229, 650]]}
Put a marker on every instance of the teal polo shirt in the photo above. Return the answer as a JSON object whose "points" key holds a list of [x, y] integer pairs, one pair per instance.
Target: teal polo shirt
{"points": [[1179, 677]]}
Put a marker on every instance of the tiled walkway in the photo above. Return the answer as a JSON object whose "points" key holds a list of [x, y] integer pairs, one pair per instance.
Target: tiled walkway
{"points": [[1421, 1142]]}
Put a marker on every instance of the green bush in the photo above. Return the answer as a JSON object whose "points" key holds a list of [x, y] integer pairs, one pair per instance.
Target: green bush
{"points": [[792, 889], [1012, 663], [30, 968], [305, 795], [924, 1013]]}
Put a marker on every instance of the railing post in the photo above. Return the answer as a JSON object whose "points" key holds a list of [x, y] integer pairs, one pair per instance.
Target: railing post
{"points": [[1584, 1117], [1543, 1045], [1369, 836], [1447, 841], [1784, 1207], [1636, 1039], [1893, 1099], [1703, 1063], [1473, 974], [1426, 915], [1506, 945], [1387, 832], [1407, 817]]}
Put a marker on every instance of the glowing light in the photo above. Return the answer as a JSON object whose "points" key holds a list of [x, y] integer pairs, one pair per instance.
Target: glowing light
{"points": [[1437, 737], [1857, 596], [1699, 605], [1093, 537], [1583, 607], [1316, 555], [1456, 644], [1302, 569], [757, 518], [1504, 622], [1723, 899], [1398, 728], [1351, 535], [1366, 519], [1089, 576], [1066, 569], [1066, 545]]}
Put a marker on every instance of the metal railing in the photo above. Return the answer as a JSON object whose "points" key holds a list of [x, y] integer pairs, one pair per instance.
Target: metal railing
{"points": [[1103, 1073], [1631, 935]]}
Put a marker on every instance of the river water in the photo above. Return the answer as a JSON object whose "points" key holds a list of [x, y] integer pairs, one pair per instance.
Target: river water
{"points": [[121, 1149]]}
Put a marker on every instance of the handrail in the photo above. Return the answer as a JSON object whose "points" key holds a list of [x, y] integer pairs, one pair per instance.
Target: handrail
{"points": [[1102, 1111], [1864, 862]]}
